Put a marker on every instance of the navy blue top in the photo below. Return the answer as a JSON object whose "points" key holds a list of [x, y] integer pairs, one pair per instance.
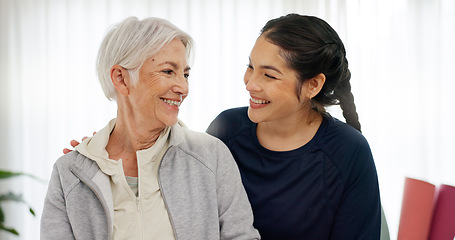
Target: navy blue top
{"points": [[326, 189]]}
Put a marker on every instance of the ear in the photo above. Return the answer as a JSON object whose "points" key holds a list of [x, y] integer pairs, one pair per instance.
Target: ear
{"points": [[120, 79], [314, 85]]}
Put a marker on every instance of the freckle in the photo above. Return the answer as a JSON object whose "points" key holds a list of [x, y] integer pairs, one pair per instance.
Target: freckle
{"points": [[153, 59]]}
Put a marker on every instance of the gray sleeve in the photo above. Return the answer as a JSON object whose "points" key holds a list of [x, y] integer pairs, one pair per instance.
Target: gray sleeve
{"points": [[54, 220], [236, 216]]}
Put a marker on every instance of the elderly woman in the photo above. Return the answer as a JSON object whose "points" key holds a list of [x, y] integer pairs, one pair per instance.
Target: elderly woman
{"points": [[146, 176]]}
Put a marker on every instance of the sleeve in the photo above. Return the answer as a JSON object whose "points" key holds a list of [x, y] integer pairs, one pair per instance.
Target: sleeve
{"points": [[359, 213], [235, 213], [54, 220]]}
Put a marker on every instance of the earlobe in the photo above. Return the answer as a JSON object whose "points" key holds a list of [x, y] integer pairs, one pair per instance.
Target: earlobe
{"points": [[120, 79]]}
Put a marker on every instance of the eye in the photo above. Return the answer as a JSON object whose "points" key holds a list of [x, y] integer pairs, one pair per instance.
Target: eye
{"points": [[167, 71], [270, 76], [249, 66], [186, 75]]}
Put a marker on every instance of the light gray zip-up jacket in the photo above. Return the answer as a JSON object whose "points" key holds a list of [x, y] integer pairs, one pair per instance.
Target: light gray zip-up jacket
{"points": [[199, 181]]}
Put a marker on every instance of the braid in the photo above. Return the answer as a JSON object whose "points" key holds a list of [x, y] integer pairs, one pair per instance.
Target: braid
{"points": [[343, 91]]}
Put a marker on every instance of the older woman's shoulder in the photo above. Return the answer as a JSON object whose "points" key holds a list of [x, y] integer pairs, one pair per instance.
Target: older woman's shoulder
{"points": [[74, 162], [195, 137], [197, 143], [74, 158]]}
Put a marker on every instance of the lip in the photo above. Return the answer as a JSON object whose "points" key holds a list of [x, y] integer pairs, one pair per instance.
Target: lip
{"points": [[254, 105], [167, 101]]}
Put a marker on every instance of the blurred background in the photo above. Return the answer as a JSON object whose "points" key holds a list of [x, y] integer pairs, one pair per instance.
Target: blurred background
{"points": [[401, 55]]}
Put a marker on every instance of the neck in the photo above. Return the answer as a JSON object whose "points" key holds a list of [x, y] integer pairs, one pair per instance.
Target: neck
{"points": [[289, 133], [131, 134]]}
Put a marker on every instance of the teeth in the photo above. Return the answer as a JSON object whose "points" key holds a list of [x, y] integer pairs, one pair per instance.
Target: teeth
{"points": [[259, 101], [171, 102]]}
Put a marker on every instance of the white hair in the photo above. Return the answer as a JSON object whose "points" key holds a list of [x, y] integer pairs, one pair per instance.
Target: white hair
{"points": [[130, 43]]}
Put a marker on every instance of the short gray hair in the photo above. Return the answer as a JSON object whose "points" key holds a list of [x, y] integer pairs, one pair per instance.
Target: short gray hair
{"points": [[130, 43]]}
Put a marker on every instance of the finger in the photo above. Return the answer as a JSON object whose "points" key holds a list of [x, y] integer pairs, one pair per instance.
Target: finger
{"points": [[66, 150], [74, 143]]}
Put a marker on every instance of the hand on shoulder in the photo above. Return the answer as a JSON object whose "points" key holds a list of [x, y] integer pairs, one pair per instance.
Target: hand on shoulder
{"points": [[73, 144]]}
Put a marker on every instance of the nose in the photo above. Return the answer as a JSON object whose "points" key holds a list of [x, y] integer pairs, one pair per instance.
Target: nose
{"points": [[181, 85], [251, 81]]}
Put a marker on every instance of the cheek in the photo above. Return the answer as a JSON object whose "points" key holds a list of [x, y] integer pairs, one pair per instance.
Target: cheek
{"points": [[148, 91], [154, 86], [289, 91]]}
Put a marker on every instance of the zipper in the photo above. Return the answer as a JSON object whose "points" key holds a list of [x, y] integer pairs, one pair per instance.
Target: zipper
{"points": [[137, 204], [140, 217]]}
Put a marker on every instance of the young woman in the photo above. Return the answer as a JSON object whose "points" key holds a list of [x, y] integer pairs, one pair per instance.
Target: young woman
{"points": [[307, 174]]}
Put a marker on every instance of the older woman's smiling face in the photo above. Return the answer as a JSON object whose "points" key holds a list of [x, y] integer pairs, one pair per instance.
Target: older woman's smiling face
{"points": [[162, 86]]}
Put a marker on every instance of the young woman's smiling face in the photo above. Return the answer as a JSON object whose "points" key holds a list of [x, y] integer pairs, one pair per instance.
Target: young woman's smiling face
{"points": [[271, 84]]}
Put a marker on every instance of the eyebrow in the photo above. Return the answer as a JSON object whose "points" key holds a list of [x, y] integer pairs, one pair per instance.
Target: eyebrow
{"points": [[269, 67], [174, 65]]}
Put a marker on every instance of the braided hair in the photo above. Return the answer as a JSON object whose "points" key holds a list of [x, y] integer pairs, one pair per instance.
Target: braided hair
{"points": [[311, 46]]}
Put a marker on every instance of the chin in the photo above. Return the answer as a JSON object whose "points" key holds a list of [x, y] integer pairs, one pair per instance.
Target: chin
{"points": [[172, 122], [253, 117], [168, 121]]}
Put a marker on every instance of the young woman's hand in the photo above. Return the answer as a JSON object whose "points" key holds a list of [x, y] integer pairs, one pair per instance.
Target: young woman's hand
{"points": [[73, 144]]}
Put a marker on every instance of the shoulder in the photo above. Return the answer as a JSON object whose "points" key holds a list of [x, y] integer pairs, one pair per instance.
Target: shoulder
{"points": [[192, 148], [240, 113], [229, 122], [198, 144], [74, 161], [337, 134], [183, 135], [345, 147]]}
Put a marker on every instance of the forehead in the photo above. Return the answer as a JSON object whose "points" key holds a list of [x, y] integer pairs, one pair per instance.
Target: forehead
{"points": [[175, 48], [175, 52], [265, 50], [265, 53]]}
